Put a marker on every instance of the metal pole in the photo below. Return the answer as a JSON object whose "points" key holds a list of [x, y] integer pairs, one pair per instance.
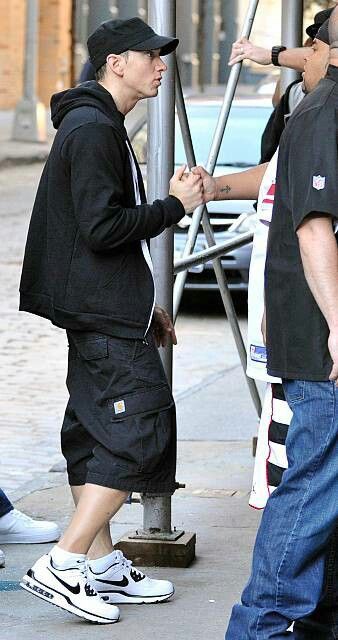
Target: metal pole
{"points": [[161, 127], [188, 31], [292, 29], [100, 12], [215, 146], [30, 114], [217, 262]]}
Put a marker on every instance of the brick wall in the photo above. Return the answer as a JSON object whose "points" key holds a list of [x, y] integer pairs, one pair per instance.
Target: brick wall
{"points": [[12, 38], [54, 49]]}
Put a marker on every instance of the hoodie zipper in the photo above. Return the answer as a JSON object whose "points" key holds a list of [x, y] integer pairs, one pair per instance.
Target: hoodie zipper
{"points": [[144, 245]]}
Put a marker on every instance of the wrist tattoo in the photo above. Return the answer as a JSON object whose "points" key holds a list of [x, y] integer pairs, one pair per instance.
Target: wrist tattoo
{"points": [[225, 189]]}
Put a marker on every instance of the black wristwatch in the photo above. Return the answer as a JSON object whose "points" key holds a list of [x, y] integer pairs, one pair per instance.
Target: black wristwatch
{"points": [[275, 51]]}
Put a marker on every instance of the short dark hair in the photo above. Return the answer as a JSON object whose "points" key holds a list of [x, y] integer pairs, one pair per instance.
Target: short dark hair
{"points": [[101, 72]]}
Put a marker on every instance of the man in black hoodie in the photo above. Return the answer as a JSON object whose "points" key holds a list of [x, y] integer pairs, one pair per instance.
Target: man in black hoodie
{"points": [[88, 269]]}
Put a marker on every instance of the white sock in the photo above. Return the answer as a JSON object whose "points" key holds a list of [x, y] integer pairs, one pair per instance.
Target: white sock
{"points": [[65, 559], [100, 565]]}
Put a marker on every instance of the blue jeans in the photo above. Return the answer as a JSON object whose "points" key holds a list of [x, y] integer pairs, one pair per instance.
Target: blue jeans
{"points": [[322, 624], [5, 505], [298, 522]]}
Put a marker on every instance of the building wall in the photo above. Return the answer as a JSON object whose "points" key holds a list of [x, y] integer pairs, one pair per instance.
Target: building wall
{"points": [[54, 64], [54, 47], [12, 38]]}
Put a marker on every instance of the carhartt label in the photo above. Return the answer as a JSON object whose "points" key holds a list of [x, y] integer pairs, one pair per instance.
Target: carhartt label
{"points": [[119, 406]]}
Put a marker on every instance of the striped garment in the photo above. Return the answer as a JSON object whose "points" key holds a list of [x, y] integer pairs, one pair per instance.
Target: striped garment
{"points": [[271, 460]]}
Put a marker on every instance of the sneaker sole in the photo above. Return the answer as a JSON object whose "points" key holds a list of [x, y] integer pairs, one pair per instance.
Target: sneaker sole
{"points": [[57, 599], [119, 598], [21, 539]]}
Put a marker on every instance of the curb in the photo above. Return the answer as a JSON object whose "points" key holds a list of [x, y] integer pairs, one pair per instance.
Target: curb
{"points": [[13, 161]]}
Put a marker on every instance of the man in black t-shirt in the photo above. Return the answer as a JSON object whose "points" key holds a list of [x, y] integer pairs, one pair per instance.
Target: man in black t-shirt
{"points": [[302, 347]]}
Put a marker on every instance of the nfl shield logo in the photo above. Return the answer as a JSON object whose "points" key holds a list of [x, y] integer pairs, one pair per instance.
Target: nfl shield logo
{"points": [[318, 182]]}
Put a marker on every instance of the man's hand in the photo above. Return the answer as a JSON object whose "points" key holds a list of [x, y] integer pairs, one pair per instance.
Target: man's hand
{"points": [[209, 184], [163, 327], [188, 188], [333, 349], [243, 49]]}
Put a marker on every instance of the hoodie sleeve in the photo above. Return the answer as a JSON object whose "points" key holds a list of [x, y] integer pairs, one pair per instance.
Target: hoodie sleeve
{"points": [[95, 155]]}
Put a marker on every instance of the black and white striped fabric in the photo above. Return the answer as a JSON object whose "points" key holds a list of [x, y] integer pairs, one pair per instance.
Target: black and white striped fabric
{"points": [[271, 460]]}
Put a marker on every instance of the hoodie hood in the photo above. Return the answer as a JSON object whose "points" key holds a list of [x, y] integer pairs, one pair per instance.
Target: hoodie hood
{"points": [[87, 94]]}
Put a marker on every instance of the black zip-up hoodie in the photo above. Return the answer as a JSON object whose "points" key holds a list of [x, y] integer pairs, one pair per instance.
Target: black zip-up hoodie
{"points": [[84, 267]]}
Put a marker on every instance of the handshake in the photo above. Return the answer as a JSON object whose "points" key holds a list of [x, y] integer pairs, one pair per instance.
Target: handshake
{"points": [[194, 188]]}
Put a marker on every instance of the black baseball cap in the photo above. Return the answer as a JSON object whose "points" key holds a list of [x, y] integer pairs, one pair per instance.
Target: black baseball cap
{"points": [[323, 33], [319, 20], [117, 36]]}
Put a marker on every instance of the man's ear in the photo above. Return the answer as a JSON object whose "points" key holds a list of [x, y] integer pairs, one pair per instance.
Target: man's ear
{"points": [[116, 64]]}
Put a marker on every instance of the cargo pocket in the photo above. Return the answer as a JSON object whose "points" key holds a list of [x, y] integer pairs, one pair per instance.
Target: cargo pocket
{"points": [[141, 427], [91, 346]]}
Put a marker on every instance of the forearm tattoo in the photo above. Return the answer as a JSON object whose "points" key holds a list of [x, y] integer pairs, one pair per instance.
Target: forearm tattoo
{"points": [[226, 189]]}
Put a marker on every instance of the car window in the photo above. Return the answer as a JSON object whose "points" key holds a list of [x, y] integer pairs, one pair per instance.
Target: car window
{"points": [[241, 141]]}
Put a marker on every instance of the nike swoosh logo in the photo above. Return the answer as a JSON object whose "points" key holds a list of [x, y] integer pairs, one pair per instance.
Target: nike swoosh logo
{"points": [[75, 589], [115, 583]]}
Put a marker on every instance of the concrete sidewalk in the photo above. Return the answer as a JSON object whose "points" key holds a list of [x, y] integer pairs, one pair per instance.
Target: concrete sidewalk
{"points": [[214, 504], [13, 152]]}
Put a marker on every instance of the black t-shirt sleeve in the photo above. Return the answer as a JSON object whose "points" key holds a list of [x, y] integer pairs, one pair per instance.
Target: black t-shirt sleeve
{"points": [[96, 157], [313, 166]]}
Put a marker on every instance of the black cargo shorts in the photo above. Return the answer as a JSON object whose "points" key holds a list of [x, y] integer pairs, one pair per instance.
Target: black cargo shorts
{"points": [[119, 429]]}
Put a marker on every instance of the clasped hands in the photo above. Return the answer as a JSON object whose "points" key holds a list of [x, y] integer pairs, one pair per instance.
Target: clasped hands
{"points": [[193, 188]]}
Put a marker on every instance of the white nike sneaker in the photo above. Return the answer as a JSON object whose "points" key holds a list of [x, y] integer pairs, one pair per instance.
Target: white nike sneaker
{"points": [[16, 527], [68, 589], [121, 583]]}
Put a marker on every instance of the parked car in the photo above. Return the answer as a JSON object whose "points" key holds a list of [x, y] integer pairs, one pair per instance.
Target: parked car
{"points": [[240, 150]]}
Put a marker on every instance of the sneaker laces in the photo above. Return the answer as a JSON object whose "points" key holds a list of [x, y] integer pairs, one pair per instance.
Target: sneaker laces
{"points": [[88, 586], [128, 564]]}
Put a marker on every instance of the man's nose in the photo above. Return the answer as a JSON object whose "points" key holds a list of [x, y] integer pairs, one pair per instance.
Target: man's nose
{"points": [[161, 65]]}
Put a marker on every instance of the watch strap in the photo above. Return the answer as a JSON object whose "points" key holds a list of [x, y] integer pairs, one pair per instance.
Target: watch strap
{"points": [[275, 51]]}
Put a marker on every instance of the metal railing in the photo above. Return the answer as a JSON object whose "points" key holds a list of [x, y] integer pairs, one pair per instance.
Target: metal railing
{"points": [[216, 251]]}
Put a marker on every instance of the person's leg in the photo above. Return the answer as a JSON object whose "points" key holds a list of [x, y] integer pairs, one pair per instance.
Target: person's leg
{"points": [[61, 576], [323, 622], [102, 544], [289, 555], [95, 508], [5, 504], [109, 455]]}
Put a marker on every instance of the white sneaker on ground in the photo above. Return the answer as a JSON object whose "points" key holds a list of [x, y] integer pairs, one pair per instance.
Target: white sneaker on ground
{"points": [[16, 527], [121, 583], [2, 559], [68, 589]]}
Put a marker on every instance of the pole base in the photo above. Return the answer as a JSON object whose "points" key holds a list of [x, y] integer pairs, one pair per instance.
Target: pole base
{"points": [[30, 121], [158, 553]]}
